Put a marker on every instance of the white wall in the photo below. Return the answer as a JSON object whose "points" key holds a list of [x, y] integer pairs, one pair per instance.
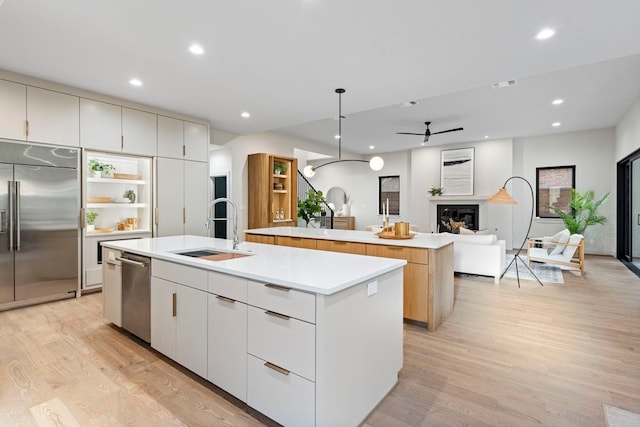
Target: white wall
{"points": [[628, 132], [592, 152]]}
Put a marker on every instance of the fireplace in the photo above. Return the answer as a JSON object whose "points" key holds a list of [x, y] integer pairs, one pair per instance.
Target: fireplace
{"points": [[469, 214]]}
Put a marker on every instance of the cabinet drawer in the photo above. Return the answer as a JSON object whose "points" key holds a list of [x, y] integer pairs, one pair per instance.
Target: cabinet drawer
{"points": [[258, 238], [301, 305], [228, 286], [340, 246], [177, 273], [287, 342], [286, 398], [296, 242], [415, 255]]}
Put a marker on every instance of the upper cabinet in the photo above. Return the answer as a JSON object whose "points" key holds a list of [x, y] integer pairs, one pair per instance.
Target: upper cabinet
{"points": [[110, 127], [179, 139], [29, 113]]}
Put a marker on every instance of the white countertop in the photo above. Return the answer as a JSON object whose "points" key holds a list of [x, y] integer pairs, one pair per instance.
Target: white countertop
{"points": [[303, 269], [420, 240]]}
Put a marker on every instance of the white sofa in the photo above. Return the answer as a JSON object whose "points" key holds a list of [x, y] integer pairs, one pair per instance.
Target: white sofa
{"points": [[478, 254]]}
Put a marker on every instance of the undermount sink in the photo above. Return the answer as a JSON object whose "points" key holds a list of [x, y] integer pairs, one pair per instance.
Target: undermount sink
{"points": [[211, 255]]}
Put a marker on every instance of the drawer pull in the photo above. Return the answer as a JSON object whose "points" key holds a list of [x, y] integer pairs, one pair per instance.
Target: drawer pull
{"points": [[335, 242], [277, 287], [278, 315], [276, 368], [174, 304], [225, 299], [395, 248]]}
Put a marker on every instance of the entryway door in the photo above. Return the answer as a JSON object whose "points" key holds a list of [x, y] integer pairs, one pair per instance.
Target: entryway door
{"points": [[220, 209], [628, 238]]}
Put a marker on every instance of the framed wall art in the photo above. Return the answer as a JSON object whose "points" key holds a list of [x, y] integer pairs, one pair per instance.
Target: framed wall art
{"points": [[553, 188], [456, 172]]}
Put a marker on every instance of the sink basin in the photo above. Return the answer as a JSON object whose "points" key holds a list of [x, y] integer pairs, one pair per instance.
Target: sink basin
{"points": [[211, 255]]}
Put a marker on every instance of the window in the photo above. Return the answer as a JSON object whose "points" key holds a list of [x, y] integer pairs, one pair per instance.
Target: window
{"points": [[389, 192]]}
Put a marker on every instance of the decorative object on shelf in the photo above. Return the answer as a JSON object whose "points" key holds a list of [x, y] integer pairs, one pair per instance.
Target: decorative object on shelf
{"points": [[91, 220], [376, 163], [503, 197], [131, 195], [279, 169], [456, 171], [583, 211], [99, 199], [99, 169], [436, 191], [126, 176], [278, 186], [308, 208]]}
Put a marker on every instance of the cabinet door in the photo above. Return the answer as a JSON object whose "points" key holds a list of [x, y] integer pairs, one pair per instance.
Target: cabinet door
{"points": [[139, 132], [170, 197], [170, 137], [191, 335], [100, 125], [196, 142], [53, 117], [111, 286], [416, 292], [227, 345], [13, 110], [163, 316], [196, 197]]}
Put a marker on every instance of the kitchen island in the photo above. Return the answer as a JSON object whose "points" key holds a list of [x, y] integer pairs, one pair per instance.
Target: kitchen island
{"points": [[302, 343], [428, 275]]}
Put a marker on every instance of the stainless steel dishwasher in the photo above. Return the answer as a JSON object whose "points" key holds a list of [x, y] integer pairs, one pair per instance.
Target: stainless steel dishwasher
{"points": [[136, 295]]}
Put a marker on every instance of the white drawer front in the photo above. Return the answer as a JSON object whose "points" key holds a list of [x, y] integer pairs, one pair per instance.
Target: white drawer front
{"points": [[289, 343], [177, 273], [287, 399], [301, 305], [228, 286]]}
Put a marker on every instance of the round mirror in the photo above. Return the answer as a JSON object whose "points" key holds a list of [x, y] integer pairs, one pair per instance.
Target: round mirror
{"points": [[336, 196]]}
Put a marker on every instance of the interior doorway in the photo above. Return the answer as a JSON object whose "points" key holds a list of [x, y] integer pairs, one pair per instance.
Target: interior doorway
{"points": [[220, 189], [628, 238]]}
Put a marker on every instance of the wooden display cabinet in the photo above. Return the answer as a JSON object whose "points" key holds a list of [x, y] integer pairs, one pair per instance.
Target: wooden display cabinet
{"points": [[273, 191]]}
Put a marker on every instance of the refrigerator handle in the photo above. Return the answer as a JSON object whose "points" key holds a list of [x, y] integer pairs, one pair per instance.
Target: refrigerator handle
{"points": [[18, 216], [3, 220], [11, 197]]}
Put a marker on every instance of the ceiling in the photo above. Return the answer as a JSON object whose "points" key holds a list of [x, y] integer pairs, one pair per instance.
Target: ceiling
{"points": [[281, 61]]}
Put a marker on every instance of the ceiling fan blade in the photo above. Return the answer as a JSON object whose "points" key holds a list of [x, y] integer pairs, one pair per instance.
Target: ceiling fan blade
{"points": [[445, 131], [409, 133]]}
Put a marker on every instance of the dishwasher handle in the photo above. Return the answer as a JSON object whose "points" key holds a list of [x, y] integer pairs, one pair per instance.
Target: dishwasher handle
{"points": [[132, 262]]}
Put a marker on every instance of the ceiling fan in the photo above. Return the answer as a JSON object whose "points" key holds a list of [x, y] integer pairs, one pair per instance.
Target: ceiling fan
{"points": [[428, 133]]}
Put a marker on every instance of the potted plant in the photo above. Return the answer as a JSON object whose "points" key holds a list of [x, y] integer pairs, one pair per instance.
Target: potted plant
{"points": [[279, 169], [308, 208], [91, 219], [436, 191], [107, 170], [583, 211], [95, 167]]}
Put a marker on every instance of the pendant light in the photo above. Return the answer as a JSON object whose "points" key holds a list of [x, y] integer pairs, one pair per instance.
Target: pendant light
{"points": [[376, 163]]}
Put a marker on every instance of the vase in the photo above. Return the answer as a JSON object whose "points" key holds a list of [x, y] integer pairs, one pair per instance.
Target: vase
{"points": [[346, 210], [131, 195], [91, 228]]}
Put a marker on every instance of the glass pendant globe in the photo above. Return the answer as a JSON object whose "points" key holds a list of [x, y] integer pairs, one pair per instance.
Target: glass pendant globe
{"points": [[309, 171], [376, 163]]}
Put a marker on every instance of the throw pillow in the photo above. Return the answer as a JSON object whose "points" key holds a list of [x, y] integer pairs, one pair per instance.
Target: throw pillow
{"points": [[561, 239], [464, 230]]}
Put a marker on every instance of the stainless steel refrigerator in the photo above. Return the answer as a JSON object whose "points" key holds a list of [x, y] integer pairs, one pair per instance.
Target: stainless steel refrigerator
{"points": [[39, 223]]}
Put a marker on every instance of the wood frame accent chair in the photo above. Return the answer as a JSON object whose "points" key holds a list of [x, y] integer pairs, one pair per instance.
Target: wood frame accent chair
{"points": [[568, 253]]}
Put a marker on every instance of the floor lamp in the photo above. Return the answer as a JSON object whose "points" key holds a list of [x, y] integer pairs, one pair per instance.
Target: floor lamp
{"points": [[503, 197]]}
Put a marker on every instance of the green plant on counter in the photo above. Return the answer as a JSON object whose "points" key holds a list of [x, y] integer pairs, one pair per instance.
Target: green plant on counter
{"points": [[91, 217], [308, 208], [583, 211]]}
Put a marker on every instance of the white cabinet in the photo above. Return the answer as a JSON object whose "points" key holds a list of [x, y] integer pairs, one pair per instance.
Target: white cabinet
{"points": [[182, 197], [110, 127], [227, 334], [112, 286], [179, 139], [179, 318], [13, 109]]}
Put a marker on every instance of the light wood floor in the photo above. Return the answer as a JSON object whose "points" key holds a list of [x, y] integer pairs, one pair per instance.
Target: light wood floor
{"points": [[547, 355]]}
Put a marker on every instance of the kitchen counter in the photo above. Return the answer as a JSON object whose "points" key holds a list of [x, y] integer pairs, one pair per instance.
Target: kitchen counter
{"points": [[299, 269]]}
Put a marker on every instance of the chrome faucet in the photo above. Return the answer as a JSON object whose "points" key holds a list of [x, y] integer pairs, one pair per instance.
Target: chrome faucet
{"points": [[236, 240]]}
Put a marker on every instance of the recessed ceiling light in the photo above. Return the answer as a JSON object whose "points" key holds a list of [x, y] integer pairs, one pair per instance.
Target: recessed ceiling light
{"points": [[555, 124], [196, 49], [371, 147], [337, 136], [408, 104], [135, 82], [486, 137], [546, 33], [557, 101], [245, 115]]}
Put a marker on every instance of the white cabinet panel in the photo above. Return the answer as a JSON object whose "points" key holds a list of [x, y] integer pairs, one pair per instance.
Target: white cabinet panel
{"points": [[196, 192], [179, 273], [111, 286], [191, 334], [100, 125], [13, 110], [228, 286], [54, 117], [170, 197], [286, 398], [163, 317], [139, 132], [170, 137], [227, 345], [196, 142], [298, 304]]}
